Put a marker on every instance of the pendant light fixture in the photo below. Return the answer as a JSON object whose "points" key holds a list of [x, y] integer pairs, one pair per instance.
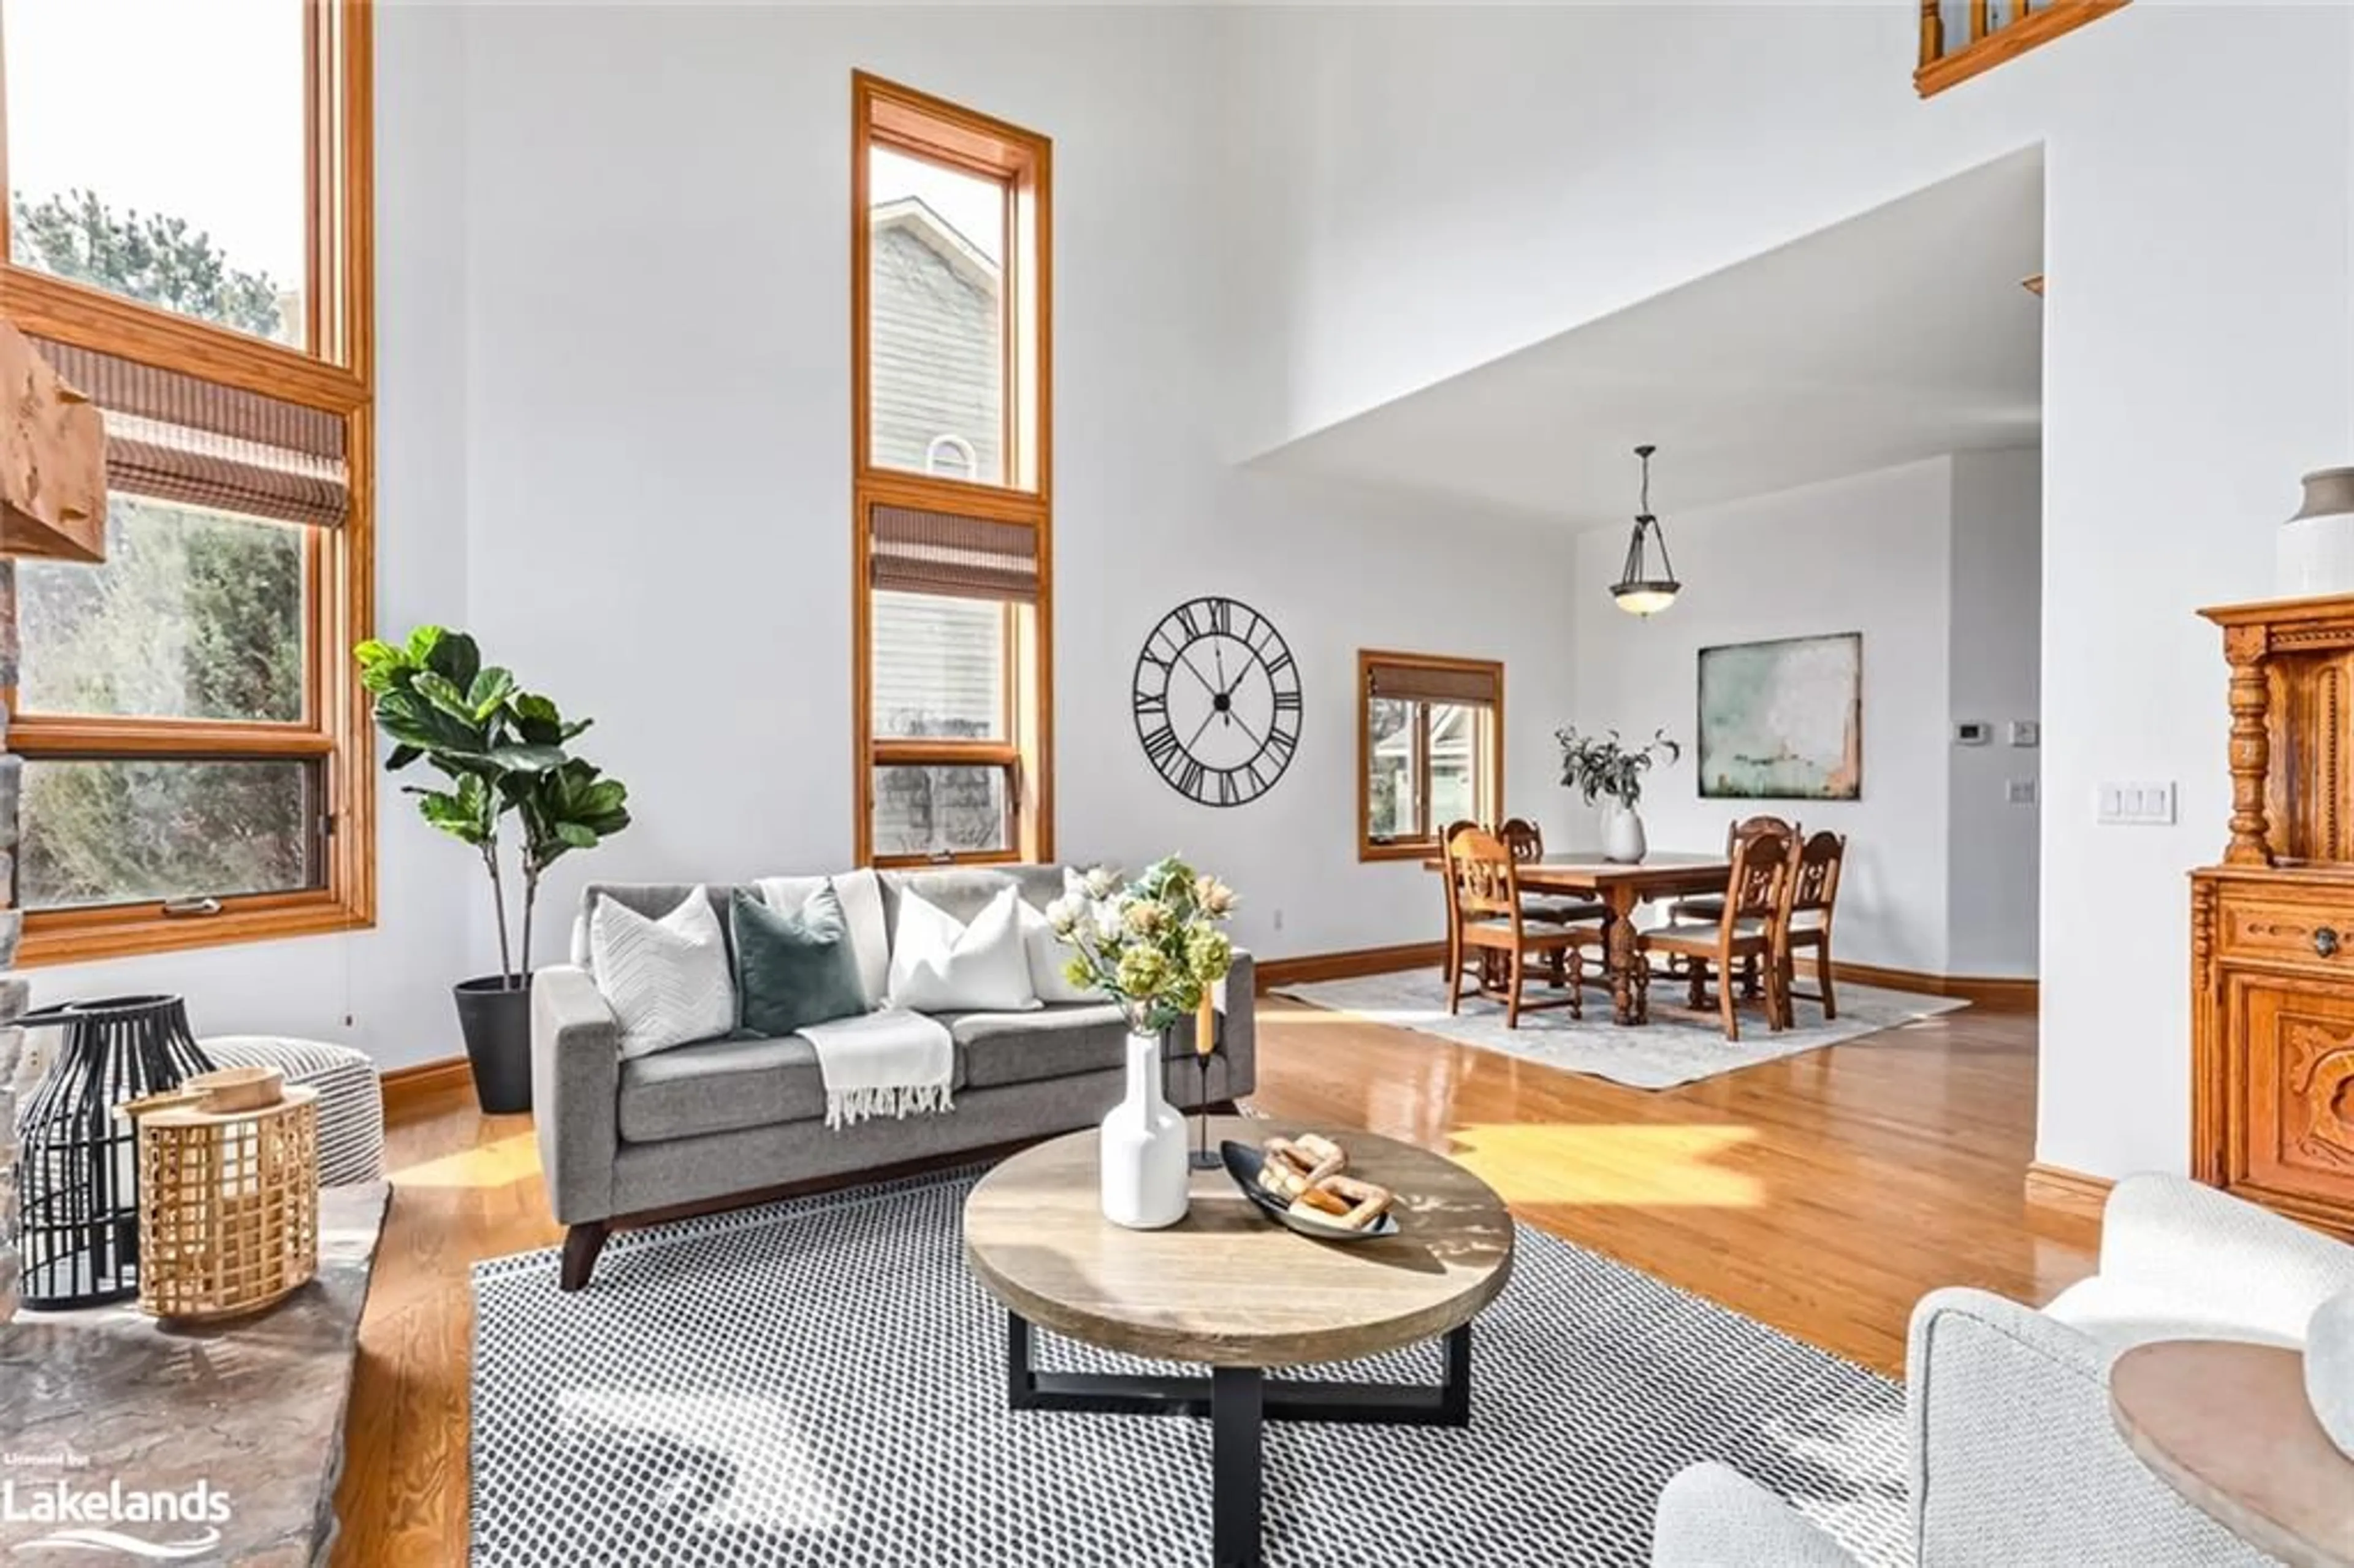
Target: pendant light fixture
{"points": [[1640, 590]]}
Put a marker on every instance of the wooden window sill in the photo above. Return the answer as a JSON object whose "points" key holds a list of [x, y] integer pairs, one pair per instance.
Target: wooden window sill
{"points": [[1423, 849], [2005, 44], [949, 863], [69, 937]]}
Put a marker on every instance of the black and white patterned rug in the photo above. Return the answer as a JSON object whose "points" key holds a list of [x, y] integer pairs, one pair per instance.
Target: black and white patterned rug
{"points": [[822, 1382]]}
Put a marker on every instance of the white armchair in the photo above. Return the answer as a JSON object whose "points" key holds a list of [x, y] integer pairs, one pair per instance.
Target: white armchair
{"points": [[2014, 1461]]}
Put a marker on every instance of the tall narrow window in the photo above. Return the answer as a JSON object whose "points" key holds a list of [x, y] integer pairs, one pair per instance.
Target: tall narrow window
{"points": [[951, 508], [1430, 748], [196, 753]]}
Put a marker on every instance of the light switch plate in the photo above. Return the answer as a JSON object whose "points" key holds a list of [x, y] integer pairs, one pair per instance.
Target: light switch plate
{"points": [[2026, 732], [2145, 804], [1973, 732]]}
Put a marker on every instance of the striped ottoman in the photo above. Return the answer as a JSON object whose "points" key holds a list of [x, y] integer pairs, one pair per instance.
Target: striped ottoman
{"points": [[351, 1100]]}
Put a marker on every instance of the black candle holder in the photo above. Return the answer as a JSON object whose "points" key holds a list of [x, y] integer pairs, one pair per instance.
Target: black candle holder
{"points": [[1201, 1157], [78, 1189]]}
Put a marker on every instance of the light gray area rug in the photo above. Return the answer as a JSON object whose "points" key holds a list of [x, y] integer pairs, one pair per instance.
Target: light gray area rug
{"points": [[1678, 1047], [822, 1382]]}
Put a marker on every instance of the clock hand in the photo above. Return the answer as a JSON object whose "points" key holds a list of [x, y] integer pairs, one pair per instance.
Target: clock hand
{"points": [[1187, 660], [1218, 654], [1203, 726]]}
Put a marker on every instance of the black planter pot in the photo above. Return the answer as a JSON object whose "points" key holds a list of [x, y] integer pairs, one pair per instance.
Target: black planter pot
{"points": [[496, 1021]]}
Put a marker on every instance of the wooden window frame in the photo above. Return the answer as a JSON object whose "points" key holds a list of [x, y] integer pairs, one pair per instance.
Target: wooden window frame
{"points": [[884, 114], [1989, 47], [1424, 843], [337, 374]]}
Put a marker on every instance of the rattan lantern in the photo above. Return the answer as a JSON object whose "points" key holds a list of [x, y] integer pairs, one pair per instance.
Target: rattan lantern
{"points": [[228, 1194]]}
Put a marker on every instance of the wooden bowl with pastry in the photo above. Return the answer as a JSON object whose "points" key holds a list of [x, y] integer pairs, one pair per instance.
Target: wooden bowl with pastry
{"points": [[1304, 1184]]}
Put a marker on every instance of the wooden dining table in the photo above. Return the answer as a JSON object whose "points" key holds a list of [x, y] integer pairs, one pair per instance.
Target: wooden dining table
{"points": [[1619, 888]]}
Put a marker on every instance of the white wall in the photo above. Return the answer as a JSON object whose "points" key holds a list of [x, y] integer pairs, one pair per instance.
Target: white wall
{"points": [[1865, 553], [1437, 187], [657, 430], [1995, 843]]}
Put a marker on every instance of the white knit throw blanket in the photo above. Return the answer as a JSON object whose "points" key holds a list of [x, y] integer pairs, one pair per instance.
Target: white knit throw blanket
{"points": [[890, 1063]]}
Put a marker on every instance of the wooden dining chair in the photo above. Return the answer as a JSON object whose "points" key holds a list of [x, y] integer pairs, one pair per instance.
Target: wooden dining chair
{"points": [[1711, 906], [1485, 915], [1526, 841], [1454, 961], [1814, 894], [1747, 933]]}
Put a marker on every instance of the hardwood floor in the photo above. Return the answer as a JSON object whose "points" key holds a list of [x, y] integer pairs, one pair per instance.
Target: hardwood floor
{"points": [[1822, 1193]]}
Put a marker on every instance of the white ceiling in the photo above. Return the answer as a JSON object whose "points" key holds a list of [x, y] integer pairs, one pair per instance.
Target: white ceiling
{"points": [[1896, 335]]}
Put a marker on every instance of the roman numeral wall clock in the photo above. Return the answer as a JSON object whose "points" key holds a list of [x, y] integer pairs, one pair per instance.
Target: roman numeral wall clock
{"points": [[1217, 702]]}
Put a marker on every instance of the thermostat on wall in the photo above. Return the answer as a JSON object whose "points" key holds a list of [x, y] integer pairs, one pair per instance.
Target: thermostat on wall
{"points": [[1973, 732]]}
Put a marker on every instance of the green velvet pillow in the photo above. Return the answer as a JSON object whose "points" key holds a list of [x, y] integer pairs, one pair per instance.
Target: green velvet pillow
{"points": [[796, 969]]}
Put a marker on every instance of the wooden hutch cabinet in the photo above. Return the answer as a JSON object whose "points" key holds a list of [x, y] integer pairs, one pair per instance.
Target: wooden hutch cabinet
{"points": [[2271, 929]]}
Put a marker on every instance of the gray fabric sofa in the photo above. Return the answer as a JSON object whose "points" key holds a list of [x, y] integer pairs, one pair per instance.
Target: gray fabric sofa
{"points": [[731, 1118]]}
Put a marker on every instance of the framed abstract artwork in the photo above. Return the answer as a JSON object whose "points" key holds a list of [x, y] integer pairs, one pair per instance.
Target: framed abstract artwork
{"points": [[1783, 720]]}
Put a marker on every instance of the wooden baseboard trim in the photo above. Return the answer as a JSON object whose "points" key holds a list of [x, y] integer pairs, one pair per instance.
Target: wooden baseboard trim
{"points": [[2067, 1192], [1988, 991], [408, 1090], [1310, 967]]}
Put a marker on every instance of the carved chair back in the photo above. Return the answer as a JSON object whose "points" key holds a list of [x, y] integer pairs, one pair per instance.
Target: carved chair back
{"points": [[1741, 827], [1814, 886], [1484, 879], [1523, 838], [1761, 878]]}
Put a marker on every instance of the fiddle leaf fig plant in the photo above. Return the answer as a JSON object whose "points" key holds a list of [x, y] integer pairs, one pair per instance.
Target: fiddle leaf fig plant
{"points": [[501, 751]]}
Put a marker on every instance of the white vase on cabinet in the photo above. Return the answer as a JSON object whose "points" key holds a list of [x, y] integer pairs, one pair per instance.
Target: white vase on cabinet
{"points": [[1622, 835], [2314, 555], [1144, 1168]]}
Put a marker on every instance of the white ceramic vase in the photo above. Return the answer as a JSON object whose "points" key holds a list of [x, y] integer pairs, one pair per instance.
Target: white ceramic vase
{"points": [[1622, 835], [2314, 555], [2329, 1368], [1145, 1176]]}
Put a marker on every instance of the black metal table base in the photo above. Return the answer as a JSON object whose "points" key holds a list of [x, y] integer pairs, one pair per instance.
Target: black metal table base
{"points": [[1238, 1400]]}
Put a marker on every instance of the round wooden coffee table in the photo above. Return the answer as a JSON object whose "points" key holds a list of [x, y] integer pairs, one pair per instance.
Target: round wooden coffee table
{"points": [[1228, 1288]]}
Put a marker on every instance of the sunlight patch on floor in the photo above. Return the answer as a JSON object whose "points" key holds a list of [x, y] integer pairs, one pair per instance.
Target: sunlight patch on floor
{"points": [[498, 1163], [1673, 1166], [725, 1462]]}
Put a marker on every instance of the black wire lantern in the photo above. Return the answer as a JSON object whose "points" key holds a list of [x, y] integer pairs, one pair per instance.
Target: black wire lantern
{"points": [[1640, 590], [77, 1163]]}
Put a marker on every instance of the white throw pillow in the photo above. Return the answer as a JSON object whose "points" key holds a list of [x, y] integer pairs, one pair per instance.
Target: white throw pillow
{"points": [[939, 965], [862, 908], [1049, 953], [666, 980]]}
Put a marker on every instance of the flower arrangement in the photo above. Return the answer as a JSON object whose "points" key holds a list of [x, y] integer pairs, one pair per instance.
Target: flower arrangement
{"points": [[1153, 945], [1599, 767]]}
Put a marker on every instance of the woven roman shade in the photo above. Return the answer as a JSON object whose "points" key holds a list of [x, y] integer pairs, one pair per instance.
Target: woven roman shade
{"points": [[181, 438], [911, 550], [1427, 684]]}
